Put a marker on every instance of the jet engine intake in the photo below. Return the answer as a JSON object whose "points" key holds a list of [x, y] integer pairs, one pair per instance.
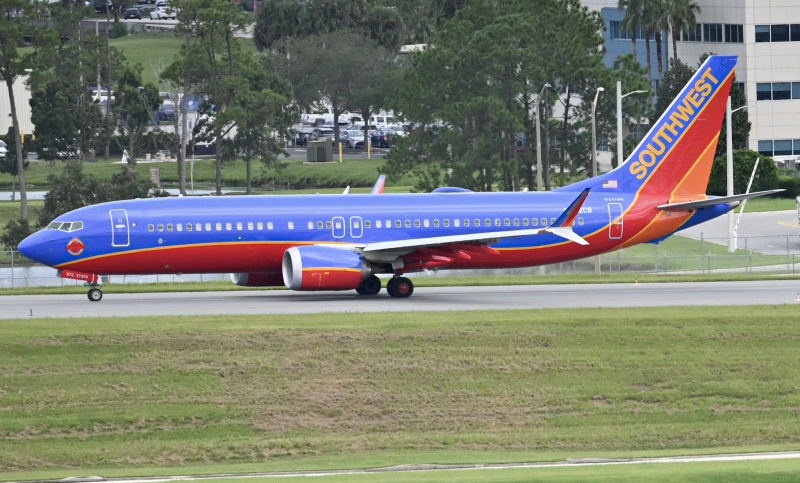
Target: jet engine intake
{"points": [[312, 267]]}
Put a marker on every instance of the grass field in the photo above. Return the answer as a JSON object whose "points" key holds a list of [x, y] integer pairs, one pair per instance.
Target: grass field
{"points": [[362, 390]]}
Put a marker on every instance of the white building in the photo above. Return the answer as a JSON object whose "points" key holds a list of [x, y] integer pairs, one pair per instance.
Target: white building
{"points": [[22, 97], [765, 35]]}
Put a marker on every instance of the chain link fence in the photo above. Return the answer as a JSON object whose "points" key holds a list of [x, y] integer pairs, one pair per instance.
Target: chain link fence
{"points": [[677, 254]]}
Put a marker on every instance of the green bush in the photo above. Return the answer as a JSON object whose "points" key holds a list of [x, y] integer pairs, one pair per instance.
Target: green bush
{"points": [[791, 184], [118, 30]]}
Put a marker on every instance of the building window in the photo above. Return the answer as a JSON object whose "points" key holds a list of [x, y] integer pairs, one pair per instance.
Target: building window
{"points": [[780, 33], [734, 34], [794, 31], [783, 147], [762, 33], [617, 31], [691, 35], [712, 32], [765, 148], [763, 91], [796, 143], [781, 91]]}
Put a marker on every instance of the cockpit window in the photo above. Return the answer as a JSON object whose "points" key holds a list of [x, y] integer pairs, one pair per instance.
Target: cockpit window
{"points": [[67, 226]]}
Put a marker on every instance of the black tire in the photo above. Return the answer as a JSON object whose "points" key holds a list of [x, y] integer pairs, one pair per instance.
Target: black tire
{"points": [[370, 286], [95, 295], [400, 287]]}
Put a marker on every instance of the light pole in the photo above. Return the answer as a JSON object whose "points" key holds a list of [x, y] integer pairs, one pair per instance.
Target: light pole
{"points": [[729, 153], [620, 96], [539, 140], [593, 170]]}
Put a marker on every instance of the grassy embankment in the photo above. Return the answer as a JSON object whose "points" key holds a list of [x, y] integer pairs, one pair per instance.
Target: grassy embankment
{"points": [[208, 394]]}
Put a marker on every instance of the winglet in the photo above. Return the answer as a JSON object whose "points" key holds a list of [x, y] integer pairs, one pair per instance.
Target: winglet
{"points": [[378, 188], [563, 224], [571, 213]]}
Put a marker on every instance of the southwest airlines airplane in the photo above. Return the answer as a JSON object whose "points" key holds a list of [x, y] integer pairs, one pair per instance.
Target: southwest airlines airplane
{"points": [[342, 242]]}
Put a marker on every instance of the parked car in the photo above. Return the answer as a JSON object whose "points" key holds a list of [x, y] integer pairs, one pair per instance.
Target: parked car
{"points": [[3, 149], [160, 13], [320, 132], [352, 138], [133, 13], [382, 137]]}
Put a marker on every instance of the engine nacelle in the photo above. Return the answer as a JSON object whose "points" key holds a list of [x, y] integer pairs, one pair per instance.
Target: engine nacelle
{"points": [[312, 267], [257, 279]]}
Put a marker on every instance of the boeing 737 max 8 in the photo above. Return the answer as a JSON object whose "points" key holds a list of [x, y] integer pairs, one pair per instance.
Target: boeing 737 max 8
{"points": [[341, 242]]}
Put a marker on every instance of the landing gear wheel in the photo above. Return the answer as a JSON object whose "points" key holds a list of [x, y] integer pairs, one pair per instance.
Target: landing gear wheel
{"points": [[370, 286], [95, 295], [400, 287]]}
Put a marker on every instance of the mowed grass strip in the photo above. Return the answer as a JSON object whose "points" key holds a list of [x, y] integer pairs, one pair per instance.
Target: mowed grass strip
{"points": [[372, 389]]}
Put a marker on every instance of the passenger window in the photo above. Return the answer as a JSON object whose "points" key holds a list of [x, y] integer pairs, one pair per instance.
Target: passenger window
{"points": [[426, 223], [208, 226], [378, 224], [310, 225], [250, 225], [456, 223], [239, 225], [291, 225], [179, 227], [338, 225], [228, 226], [398, 224], [149, 227], [328, 225], [169, 227], [487, 222], [270, 226], [552, 220], [260, 225], [477, 222], [516, 221], [436, 223], [417, 224], [408, 223], [466, 222], [507, 222], [544, 221], [446, 223], [219, 226], [367, 224], [199, 226], [535, 221], [497, 222], [188, 227], [356, 224], [525, 222], [388, 223], [160, 227], [580, 221], [319, 225]]}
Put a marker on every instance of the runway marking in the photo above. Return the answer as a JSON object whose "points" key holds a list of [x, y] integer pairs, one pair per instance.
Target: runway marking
{"points": [[793, 225], [436, 467]]}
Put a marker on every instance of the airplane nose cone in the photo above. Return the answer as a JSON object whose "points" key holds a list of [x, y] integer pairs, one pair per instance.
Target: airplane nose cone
{"points": [[36, 247]]}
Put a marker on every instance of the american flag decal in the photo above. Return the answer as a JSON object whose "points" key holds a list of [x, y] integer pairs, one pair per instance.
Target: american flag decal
{"points": [[612, 183]]}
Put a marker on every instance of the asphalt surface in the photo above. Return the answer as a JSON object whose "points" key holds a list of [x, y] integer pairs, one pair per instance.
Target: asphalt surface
{"points": [[527, 297], [771, 233]]}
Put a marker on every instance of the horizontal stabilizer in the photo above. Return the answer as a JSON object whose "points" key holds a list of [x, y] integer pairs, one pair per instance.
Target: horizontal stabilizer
{"points": [[694, 205]]}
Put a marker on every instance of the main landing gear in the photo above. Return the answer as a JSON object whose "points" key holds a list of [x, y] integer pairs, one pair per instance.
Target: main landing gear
{"points": [[95, 295], [398, 287]]}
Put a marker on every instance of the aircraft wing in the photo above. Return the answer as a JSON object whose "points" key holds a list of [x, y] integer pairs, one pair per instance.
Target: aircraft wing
{"points": [[478, 241], [694, 205]]}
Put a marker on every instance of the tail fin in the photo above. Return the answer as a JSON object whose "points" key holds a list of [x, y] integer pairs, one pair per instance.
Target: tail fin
{"points": [[675, 157]]}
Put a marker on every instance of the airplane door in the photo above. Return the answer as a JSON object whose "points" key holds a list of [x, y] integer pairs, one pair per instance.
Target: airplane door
{"points": [[120, 233], [614, 221], [338, 227], [356, 226]]}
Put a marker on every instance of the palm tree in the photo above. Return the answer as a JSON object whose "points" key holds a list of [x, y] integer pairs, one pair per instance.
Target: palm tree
{"points": [[658, 20], [682, 17], [633, 18]]}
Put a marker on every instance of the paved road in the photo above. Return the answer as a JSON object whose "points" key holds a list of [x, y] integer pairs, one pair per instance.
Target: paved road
{"points": [[772, 232], [528, 297]]}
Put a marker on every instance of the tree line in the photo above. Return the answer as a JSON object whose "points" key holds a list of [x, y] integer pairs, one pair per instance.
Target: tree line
{"points": [[471, 92]]}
